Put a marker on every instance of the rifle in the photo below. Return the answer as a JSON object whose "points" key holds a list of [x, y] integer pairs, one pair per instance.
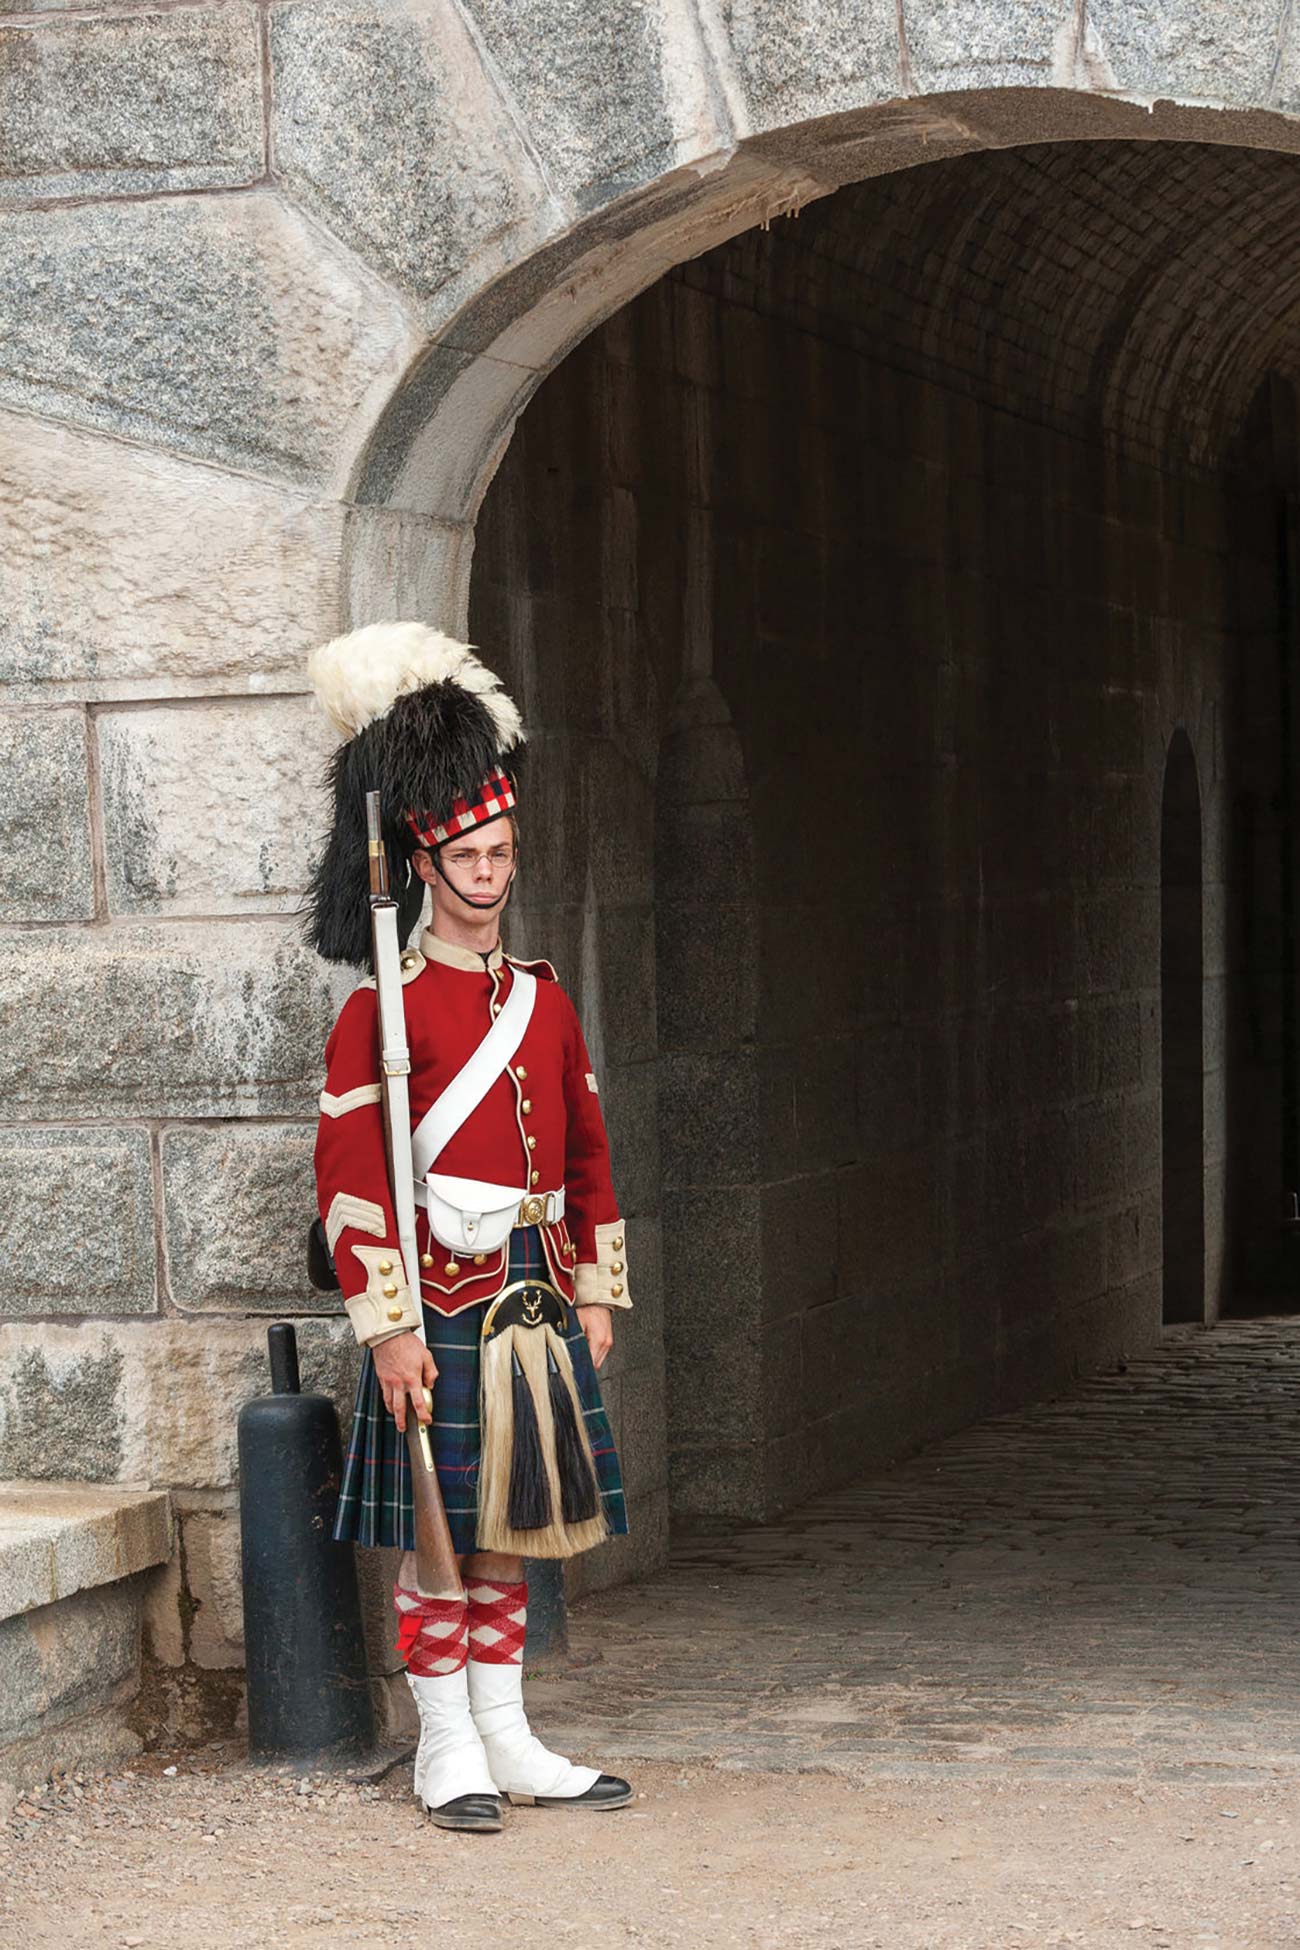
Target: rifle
{"points": [[437, 1571]]}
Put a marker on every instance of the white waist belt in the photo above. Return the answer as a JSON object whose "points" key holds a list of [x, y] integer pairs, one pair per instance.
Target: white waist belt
{"points": [[535, 1208]]}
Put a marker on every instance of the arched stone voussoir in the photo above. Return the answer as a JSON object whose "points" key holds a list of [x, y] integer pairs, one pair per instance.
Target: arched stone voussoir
{"points": [[613, 96], [386, 125], [221, 327], [1235, 54], [789, 65], [446, 143]]}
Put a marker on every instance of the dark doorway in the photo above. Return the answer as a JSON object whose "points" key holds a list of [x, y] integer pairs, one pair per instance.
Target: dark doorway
{"points": [[1182, 1058]]}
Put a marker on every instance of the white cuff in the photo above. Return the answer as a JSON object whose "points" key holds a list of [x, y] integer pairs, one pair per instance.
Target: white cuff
{"points": [[386, 1306], [605, 1283]]}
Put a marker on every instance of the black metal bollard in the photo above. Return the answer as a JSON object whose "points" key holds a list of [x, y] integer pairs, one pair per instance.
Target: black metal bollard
{"points": [[308, 1689], [548, 1618]]}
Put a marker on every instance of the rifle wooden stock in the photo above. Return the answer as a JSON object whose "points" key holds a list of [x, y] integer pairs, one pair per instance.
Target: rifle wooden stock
{"points": [[436, 1568]]}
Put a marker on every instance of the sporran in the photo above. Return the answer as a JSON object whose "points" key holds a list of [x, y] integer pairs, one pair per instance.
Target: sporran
{"points": [[538, 1492]]}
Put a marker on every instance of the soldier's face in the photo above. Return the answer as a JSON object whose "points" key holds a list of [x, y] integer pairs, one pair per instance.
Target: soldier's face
{"points": [[472, 872]]}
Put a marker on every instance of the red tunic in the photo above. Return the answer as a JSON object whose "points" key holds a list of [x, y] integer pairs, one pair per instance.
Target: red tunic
{"points": [[539, 1127]]}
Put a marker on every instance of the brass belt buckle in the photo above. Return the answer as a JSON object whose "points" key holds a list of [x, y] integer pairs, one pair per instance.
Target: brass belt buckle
{"points": [[532, 1211]]}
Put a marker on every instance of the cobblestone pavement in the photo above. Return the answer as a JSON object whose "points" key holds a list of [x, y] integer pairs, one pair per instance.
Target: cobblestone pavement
{"points": [[1103, 1587]]}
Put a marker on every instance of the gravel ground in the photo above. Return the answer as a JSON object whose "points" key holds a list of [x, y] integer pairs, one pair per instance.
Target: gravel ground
{"points": [[231, 1858]]}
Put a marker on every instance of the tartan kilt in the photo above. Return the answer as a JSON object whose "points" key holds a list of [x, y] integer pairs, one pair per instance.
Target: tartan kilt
{"points": [[374, 1506]]}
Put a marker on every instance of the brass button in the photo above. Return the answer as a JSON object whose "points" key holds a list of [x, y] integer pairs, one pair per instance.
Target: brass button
{"points": [[452, 1266], [426, 1259], [532, 1144], [616, 1291], [394, 1313], [385, 1265], [520, 1072], [526, 1105], [390, 1291], [533, 1177], [409, 961], [617, 1266], [479, 1258], [618, 1245], [496, 1008]]}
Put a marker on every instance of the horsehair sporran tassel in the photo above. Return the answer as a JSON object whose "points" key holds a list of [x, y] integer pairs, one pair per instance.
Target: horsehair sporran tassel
{"points": [[536, 1457], [497, 1418], [529, 1501], [579, 1495]]}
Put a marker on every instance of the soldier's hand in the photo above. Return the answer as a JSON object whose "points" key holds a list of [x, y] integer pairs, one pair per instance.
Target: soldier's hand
{"points": [[599, 1329], [405, 1368]]}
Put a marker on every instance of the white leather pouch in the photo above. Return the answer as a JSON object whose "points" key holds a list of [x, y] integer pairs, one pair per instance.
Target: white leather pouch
{"points": [[467, 1215]]}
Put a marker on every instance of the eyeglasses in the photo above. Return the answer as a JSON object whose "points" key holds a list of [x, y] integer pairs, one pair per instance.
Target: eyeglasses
{"points": [[464, 859]]}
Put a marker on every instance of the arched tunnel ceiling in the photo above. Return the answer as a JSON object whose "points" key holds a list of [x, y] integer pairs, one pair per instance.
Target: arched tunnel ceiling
{"points": [[1141, 290]]}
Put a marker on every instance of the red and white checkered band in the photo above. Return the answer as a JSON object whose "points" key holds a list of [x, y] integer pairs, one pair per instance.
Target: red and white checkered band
{"points": [[495, 796], [432, 1633], [498, 1621]]}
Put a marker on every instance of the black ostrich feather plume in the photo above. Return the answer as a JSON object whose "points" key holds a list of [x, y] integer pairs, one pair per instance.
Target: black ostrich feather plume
{"points": [[431, 747]]}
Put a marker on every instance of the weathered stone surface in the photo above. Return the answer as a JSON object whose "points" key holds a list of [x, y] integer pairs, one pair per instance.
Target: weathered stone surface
{"points": [[238, 1200], [154, 1403], [163, 1021], [45, 825], [154, 101], [432, 173], [708, 1111], [212, 810], [964, 44], [60, 1417], [717, 1480], [78, 1222], [818, 61], [643, 1448], [125, 573], [1177, 49], [639, 1331], [58, 1538], [164, 1606], [212, 1567], [710, 973], [223, 328], [597, 107], [68, 1658], [26, 1565], [611, 978], [628, 1097]]}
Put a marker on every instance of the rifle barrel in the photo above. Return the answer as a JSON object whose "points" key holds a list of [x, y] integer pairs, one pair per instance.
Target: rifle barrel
{"points": [[376, 850]]}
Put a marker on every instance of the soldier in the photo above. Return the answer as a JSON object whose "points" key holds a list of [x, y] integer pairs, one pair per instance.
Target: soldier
{"points": [[520, 1243]]}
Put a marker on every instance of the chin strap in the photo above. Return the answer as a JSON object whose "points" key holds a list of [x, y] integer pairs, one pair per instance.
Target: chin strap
{"points": [[480, 907]]}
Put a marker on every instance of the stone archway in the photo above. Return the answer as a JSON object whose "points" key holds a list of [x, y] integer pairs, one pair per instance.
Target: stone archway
{"points": [[437, 444]]}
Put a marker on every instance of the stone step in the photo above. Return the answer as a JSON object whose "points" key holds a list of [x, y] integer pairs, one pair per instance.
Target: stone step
{"points": [[60, 1538]]}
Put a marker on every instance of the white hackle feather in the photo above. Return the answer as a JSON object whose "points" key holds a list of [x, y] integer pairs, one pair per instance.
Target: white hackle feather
{"points": [[360, 676]]}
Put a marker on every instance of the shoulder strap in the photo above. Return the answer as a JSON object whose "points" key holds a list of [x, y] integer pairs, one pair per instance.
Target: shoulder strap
{"points": [[471, 1084]]}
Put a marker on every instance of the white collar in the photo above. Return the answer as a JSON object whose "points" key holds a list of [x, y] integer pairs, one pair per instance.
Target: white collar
{"points": [[452, 956]]}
